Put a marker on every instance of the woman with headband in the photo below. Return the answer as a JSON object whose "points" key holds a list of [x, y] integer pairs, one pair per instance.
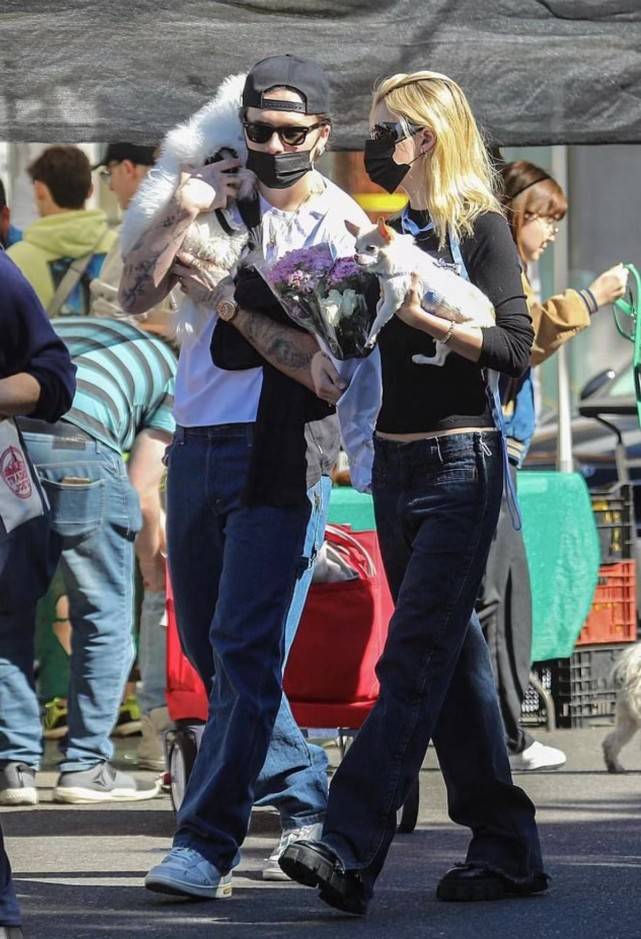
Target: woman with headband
{"points": [[437, 484], [534, 204]]}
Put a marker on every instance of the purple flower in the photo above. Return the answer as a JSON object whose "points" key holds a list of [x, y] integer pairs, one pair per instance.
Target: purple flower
{"points": [[343, 271], [301, 269]]}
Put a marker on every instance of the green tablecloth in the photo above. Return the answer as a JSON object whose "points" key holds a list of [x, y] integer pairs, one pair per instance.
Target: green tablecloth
{"points": [[562, 548], [563, 553]]}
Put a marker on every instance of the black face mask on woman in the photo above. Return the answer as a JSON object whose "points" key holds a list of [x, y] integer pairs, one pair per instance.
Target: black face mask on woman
{"points": [[279, 170], [380, 165]]}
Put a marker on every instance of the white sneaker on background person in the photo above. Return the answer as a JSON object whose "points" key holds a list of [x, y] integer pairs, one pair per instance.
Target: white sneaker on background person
{"points": [[17, 784], [102, 783], [537, 756], [272, 870]]}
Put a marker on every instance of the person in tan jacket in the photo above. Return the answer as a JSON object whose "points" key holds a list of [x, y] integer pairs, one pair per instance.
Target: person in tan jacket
{"points": [[534, 203]]}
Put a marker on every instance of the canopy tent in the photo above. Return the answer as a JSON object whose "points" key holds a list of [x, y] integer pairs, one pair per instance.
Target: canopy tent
{"points": [[536, 71]]}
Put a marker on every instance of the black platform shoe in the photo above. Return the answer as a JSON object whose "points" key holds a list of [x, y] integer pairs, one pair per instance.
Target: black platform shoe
{"points": [[469, 882], [313, 864]]}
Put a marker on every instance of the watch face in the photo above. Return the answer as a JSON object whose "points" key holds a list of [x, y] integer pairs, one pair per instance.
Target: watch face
{"points": [[226, 309]]}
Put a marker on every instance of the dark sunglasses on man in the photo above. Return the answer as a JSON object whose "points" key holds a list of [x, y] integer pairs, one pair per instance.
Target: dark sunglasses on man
{"points": [[292, 135]]}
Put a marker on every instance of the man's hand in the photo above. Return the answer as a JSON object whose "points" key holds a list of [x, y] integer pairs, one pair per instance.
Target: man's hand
{"points": [[145, 469], [200, 280], [328, 385], [209, 187]]}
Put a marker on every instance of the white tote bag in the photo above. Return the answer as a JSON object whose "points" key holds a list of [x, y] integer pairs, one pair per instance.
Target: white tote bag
{"points": [[21, 496]]}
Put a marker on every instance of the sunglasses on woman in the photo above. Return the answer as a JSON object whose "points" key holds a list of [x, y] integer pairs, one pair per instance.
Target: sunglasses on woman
{"points": [[394, 131], [292, 136]]}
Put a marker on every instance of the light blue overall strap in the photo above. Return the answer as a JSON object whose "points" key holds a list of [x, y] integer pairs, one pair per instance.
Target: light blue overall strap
{"points": [[410, 227], [494, 399]]}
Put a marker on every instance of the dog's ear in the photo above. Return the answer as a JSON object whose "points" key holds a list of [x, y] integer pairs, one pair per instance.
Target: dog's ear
{"points": [[352, 229], [385, 231]]}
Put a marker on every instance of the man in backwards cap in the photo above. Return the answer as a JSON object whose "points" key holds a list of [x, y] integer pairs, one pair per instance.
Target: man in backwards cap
{"points": [[248, 480]]}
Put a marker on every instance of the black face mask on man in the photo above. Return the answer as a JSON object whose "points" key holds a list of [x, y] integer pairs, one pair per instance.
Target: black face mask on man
{"points": [[380, 165], [279, 170]]}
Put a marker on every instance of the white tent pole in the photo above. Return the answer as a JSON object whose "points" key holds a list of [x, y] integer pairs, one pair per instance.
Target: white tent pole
{"points": [[564, 458]]}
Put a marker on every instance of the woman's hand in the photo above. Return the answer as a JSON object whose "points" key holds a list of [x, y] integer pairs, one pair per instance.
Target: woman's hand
{"points": [[467, 341], [200, 280], [610, 285], [328, 385], [209, 187]]}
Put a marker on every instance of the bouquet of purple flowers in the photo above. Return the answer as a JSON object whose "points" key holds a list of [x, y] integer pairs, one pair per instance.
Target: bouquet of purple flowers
{"points": [[326, 296]]}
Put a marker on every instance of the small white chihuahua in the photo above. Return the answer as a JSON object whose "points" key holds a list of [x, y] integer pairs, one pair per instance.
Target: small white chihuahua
{"points": [[627, 679], [394, 258]]}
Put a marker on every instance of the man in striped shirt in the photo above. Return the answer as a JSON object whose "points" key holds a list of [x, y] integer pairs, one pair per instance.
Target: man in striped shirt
{"points": [[123, 402]]}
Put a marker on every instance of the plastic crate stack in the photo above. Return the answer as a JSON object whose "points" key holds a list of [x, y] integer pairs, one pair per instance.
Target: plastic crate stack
{"points": [[581, 686]]}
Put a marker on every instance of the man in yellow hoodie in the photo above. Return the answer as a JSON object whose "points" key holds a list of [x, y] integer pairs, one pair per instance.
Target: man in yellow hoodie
{"points": [[65, 248]]}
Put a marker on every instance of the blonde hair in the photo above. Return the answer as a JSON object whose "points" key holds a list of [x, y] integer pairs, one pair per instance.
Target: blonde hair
{"points": [[460, 181]]}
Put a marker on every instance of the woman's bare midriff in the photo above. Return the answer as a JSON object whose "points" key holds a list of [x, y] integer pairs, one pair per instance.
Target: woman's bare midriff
{"points": [[408, 438]]}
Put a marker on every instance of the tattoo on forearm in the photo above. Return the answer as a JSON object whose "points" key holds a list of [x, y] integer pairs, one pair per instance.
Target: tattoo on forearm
{"points": [[274, 342], [135, 279], [143, 259]]}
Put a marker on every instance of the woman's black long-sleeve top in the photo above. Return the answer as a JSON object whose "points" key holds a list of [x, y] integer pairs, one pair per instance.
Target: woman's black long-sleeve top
{"points": [[423, 398]]}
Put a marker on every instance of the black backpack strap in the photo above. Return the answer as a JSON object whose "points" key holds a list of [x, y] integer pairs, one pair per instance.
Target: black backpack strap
{"points": [[250, 211], [222, 221]]}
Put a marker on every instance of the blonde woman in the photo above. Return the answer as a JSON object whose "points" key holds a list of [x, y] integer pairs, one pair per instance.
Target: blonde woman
{"points": [[437, 485]]}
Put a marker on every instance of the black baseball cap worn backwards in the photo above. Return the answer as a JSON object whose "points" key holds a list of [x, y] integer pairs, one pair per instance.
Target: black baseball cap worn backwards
{"points": [[287, 71], [117, 152]]}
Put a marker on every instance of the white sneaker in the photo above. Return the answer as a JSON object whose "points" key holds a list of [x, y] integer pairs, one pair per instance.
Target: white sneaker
{"points": [[537, 756], [18, 784], [102, 783], [271, 870]]}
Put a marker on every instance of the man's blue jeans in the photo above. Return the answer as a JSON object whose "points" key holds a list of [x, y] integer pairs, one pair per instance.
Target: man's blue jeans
{"points": [[240, 576], [437, 503], [96, 512]]}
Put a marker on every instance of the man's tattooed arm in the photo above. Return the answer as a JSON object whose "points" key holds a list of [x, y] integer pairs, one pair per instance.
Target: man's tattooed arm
{"points": [[287, 349], [145, 279]]}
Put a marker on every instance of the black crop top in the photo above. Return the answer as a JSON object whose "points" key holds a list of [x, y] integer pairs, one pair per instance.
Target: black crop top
{"points": [[423, 398]]}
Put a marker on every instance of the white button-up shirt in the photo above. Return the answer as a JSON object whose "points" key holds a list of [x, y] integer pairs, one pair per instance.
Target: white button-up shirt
{"points": [[206, 394]]}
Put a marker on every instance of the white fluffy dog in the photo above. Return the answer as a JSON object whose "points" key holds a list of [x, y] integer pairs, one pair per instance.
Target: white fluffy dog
{"points": [[215, 127], [627, 679]]}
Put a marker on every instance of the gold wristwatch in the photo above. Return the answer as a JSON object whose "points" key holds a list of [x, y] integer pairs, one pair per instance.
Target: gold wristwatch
{"points": [[227, 309]]}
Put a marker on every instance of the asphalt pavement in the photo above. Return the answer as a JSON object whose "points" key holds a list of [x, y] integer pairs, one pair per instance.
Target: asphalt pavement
{"points": [[79, 869]]}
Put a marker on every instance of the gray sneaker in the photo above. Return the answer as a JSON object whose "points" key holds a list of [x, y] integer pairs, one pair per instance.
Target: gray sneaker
{"points": [[102, 783], [18, 784], [11, 932]]}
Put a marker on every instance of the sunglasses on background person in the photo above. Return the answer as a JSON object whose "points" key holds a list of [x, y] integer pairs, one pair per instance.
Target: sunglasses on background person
{"points": [[291, 136], [105, 173], [549, 220]]}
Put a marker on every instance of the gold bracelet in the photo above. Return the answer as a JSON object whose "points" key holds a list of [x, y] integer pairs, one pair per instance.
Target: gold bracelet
{"points": [[448, 335]]}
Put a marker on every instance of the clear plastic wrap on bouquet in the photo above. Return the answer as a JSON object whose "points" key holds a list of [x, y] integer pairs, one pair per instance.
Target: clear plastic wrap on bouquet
{"points": [[327, 296]]}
